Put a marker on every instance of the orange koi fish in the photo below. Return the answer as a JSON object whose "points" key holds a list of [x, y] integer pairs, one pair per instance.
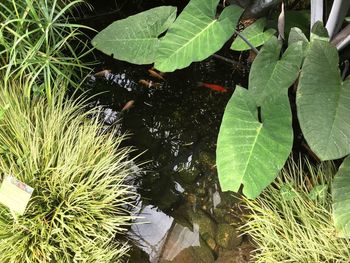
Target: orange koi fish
{"points": [[214, 87], [155, 74], [128, 105]]}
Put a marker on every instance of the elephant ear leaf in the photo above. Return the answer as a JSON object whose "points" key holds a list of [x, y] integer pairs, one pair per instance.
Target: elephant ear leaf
{"points": [[135, 38], [256, 134], [341, 199], [323, 102], [253, 143], [196, 34]]}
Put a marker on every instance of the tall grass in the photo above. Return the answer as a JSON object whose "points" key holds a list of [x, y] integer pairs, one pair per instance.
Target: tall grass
{"points": [[291, 221], [81, 197], [40, 45]]}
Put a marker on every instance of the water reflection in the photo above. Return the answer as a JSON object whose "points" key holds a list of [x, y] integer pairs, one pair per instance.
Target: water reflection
{"points": [[162, 238], [152, 235], [176, 126]]}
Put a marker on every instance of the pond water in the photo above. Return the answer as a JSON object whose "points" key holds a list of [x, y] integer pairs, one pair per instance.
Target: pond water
{"points": [[174, 122]]}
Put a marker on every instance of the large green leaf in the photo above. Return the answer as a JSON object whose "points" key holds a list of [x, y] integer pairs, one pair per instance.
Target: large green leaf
{"points": [[270, 74], [255, 34], [196, 34], [341, 199], [135, 39], [251, 152], [251, 149], [323, 102]]}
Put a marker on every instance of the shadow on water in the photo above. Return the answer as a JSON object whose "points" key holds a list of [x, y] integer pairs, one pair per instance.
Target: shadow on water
{"points": [[175, 122]]}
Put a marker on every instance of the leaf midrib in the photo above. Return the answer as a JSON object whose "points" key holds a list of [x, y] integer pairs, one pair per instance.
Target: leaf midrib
{"points": [[251, 151], [190, 41]]}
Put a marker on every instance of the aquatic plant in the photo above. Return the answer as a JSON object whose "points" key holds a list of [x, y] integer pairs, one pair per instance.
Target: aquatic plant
{"points": [[81, 198], [40, 43], [291, 221], [256, 134]]}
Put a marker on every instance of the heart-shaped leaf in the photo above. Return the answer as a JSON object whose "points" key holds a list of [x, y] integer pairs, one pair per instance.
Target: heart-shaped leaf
{"points": [[341, 199], [323, 102], [196, 34], [256, 134], [255, 34], [135, 39], [252, 151]]}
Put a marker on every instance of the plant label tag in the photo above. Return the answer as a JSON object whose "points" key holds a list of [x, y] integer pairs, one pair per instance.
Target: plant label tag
{"points": [[15, 194]]}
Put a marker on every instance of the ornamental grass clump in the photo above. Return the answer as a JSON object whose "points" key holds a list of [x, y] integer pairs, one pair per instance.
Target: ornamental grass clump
{"points": [[81, 198], [40, 42], [291, 221]]}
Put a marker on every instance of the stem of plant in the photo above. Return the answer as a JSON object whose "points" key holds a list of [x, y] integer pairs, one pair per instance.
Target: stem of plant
{"points": [[247, 42]]}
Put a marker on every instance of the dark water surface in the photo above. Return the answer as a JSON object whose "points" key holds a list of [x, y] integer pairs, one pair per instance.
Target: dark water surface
{"points": [[175, 123]]}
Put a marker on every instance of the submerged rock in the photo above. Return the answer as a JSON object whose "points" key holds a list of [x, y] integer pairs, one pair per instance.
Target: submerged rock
{"points": [[205, 223], [185, 246], [227, 236], [241, 254]]}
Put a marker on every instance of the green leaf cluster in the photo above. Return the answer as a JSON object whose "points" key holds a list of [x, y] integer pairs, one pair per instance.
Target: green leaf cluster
{"points": [[256, 134], [193, 36]]}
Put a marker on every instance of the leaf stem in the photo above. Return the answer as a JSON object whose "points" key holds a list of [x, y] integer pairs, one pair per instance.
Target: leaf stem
{"points": [[247, 42]]}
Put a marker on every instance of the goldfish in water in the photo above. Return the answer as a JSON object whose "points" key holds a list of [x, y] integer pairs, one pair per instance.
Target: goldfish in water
{"points": [[128, 105], [155, 74], [214, 87], [149, 83], [103, 73]]}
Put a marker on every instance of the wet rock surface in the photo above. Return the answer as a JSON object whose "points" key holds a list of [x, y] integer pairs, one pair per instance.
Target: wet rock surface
{"points": [[227, 236]]}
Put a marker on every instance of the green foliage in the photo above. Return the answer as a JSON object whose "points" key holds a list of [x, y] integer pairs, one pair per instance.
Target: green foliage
{"points": [[265, 77], [81, 197], [135, 39], [323, 102], [255, 34], [251, 149], [341, 204], [39, 44], [256, 134], [196, 34], [296, 228]]}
